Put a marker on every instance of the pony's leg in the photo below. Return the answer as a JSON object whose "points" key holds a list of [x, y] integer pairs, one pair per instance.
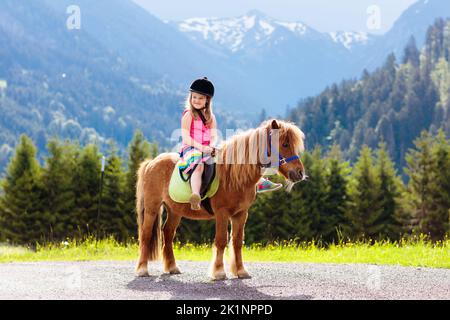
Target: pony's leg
{"points": [[237, 237], [146, 238], [217, 271], [170, 227]]}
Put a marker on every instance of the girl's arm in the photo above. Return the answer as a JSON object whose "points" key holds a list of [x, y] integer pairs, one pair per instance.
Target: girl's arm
{"points": [[185, 132]]}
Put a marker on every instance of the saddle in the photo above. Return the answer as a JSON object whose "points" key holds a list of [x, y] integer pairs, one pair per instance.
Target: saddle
{"points": [[180, 186]]}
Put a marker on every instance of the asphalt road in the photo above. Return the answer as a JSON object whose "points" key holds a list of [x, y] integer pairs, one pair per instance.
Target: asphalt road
{"points": [[300, 281]]}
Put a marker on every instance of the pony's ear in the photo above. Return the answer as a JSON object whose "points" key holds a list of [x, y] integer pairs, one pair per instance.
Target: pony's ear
{"points": [[275, 124]]}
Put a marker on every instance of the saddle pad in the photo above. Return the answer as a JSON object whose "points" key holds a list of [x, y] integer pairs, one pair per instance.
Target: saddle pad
{"points": [[180, 190]]}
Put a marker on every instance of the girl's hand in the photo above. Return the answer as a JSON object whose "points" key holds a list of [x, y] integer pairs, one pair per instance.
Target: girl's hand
{"points": [[207, 149]]}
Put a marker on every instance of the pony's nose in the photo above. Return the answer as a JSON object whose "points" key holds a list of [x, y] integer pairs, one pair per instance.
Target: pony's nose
{"points": [[295, 175], [300, 173]]}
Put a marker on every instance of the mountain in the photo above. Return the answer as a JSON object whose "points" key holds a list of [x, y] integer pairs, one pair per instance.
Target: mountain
{"points": [[350, 39], [64, 82], [412, 22], [125, 69], [122, 70], [149, 47], [241, 34], [394, 103], [298, 61], [287, 59]]}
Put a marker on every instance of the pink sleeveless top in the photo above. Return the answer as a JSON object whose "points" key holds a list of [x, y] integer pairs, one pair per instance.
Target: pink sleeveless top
{"points": [[199, 132]]}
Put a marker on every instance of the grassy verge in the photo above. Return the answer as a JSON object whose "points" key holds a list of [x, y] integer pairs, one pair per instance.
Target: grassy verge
{"points": [[419, 253]]}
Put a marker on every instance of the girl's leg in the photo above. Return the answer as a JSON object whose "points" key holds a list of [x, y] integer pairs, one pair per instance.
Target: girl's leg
{"points": [[196, 183], [196, 179]]}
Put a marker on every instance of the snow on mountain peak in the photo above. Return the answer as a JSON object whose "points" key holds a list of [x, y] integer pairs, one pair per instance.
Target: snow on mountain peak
{"points": [[267, 27], [229, 32], [248, 22], [295, 27], [254, 28], [349, 38]]}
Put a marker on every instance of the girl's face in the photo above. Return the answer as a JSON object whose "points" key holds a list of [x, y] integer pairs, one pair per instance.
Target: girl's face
{"points": [[198, 100]]}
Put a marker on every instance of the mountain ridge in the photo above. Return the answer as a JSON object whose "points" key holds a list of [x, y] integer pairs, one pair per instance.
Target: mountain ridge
{"points": [[257, 19], [309, 61]]}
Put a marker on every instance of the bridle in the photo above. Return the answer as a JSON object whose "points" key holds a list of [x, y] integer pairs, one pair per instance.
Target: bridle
{"points": [[281, 160]]}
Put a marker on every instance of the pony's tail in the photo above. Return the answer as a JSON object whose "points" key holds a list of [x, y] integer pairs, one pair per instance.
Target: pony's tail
{"points": [[154, 243], [140, 196]]}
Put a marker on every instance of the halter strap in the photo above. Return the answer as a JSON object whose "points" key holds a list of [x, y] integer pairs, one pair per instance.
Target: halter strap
{"points": [[281, 160]]}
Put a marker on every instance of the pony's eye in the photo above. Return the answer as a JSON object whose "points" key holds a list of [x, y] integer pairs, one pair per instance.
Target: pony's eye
{"points": [[286, 144]]}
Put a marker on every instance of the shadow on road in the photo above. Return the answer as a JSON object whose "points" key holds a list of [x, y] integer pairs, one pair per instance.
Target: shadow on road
{"points": [[231, 289]]}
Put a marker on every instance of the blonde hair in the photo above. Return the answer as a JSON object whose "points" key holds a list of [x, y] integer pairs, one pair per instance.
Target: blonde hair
{"points": [[208, 111]]}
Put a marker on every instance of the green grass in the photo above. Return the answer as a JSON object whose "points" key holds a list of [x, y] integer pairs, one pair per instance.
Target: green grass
{"points": [[418, 253]]}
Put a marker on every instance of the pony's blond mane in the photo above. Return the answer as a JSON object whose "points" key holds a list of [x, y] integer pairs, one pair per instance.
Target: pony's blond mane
{"points": [[239, 156]]}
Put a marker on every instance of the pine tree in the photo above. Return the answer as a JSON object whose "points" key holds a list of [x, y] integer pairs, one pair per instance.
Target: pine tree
{"points": [[446, 40], [394, 102], [86, 189], [138, 150], [112, 215], [283, 216], [389, 194], [364, 209], [271, 219], [334, 220], [411, 53], [309, 199], [440, 209], [434, 41], [441, 79], [388, 75], [57, 181], [21, 215], [397, 95], [419, 198], [318, 183]]}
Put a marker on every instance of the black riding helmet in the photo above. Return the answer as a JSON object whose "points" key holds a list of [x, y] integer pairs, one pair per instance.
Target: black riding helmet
{"points": [[203, 86]]}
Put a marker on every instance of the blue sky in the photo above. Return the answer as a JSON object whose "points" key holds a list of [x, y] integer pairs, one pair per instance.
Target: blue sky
{"points": [[322, 15]]}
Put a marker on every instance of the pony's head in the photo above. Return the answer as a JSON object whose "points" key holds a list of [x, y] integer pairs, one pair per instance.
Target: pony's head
{"points": [[275, 143], [287, 149]]}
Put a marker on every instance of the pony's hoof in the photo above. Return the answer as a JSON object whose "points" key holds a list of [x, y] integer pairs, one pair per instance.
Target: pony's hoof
{"points": [[174, 270], [219, 276], [142, 272], [243, 275]]}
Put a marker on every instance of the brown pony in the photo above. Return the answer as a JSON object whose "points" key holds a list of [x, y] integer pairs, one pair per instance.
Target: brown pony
{"points": [[234, 197]]}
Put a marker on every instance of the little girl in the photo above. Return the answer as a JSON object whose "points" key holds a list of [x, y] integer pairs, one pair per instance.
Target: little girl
{"points": [[198, 127]]}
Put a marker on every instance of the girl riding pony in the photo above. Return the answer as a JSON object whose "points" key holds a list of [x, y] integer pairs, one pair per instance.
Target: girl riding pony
{"points": [[198, 127]]}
